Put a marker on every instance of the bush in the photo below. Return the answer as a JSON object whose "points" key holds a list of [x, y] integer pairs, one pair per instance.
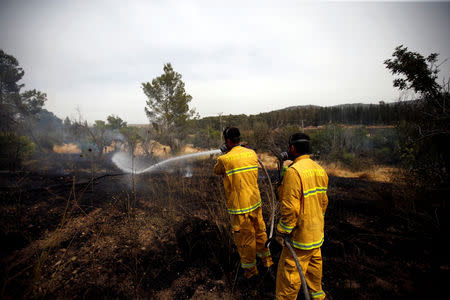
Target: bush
{"points": [[384, 155], [206, 138], [354, 145], [260, 137], [385, 145], [14, 149], [280, 137], [322, 140]]}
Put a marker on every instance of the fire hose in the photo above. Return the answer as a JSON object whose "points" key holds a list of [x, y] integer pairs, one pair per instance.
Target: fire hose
{"points": [[272, 197], [288, 245], [286, 242]]}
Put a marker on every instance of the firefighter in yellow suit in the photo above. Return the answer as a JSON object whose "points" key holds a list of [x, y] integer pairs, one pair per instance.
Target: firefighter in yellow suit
{"points": [[303, 197], [239, 168]]}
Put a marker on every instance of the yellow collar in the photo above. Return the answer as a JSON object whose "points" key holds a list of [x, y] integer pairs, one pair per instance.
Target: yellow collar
{"points": [[301, 157]]}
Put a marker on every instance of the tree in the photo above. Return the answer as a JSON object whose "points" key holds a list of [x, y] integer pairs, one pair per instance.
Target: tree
{"points": [[15, 106], [10, 75], [417, 72], [18, 111], [67, 123], [97, 133], [168, 106], [425, 137], [31, 103], [115, 122], [147, 144], [132, 137]]}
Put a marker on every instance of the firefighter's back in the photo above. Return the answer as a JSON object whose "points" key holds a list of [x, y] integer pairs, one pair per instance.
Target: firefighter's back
{"points": [[241, 180]]}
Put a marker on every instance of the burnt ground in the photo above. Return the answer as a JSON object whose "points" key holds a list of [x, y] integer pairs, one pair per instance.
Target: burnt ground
{"points": [[167, 236]]}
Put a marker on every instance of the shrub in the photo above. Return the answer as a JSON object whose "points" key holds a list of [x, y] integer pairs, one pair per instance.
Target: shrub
{"points": [[260, 137], [14, 149], [206, 138]]}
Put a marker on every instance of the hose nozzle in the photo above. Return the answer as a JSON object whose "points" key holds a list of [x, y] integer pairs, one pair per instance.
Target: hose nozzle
{"points": [[223, 148], [283, 156]]}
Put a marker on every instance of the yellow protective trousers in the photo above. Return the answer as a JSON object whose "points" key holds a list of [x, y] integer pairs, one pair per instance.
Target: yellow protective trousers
{"points": [[249, 232], [288, 278]]}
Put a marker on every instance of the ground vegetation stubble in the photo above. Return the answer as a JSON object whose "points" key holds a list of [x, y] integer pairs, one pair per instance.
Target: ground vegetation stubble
{"points": [[167, 236]]}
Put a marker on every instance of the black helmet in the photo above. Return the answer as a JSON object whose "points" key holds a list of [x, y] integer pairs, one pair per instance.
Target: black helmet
{"points": [[231, 133], [301, 142]]}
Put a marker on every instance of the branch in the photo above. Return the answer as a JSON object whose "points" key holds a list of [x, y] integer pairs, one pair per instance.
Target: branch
{"points": [[428, 135]]}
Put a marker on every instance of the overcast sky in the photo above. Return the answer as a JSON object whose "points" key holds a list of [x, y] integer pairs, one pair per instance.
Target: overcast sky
{"points": [[236, 57]]}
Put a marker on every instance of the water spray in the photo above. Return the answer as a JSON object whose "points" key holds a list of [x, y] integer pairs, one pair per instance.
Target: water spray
{"points": [[124, 162]]}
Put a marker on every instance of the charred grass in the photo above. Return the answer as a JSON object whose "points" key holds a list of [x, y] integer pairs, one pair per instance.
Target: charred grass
{"points": [[167, 236]]}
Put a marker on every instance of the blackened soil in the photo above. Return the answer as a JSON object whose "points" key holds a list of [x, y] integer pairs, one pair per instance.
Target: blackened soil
{"points": [[165, 236]]}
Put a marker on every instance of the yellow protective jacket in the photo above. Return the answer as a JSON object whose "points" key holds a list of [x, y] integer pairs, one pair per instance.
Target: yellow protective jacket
{"points": [[303, 197], [239, 168]]}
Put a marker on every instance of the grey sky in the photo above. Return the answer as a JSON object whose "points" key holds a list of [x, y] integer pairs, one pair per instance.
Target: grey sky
{"points": [[235, 56]]}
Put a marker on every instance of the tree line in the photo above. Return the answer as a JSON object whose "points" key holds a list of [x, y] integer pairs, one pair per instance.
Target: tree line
{"points": [[305, 116]]}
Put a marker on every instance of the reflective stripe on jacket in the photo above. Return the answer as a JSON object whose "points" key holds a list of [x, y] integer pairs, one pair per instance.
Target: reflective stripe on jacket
{"points": [[239, 168], [303, 197]]}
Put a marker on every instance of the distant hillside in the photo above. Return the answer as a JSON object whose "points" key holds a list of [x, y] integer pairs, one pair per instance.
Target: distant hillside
{"points": [[313, 115], [296, 107], [347, 105]]}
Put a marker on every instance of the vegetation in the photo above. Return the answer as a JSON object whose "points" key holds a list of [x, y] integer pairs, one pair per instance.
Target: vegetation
{"points": [[425, 138], [414, 132], [19, 111], [115, 122], [15, 106], [168, 107], [14, 149], [132, 137], [313, 116]]}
